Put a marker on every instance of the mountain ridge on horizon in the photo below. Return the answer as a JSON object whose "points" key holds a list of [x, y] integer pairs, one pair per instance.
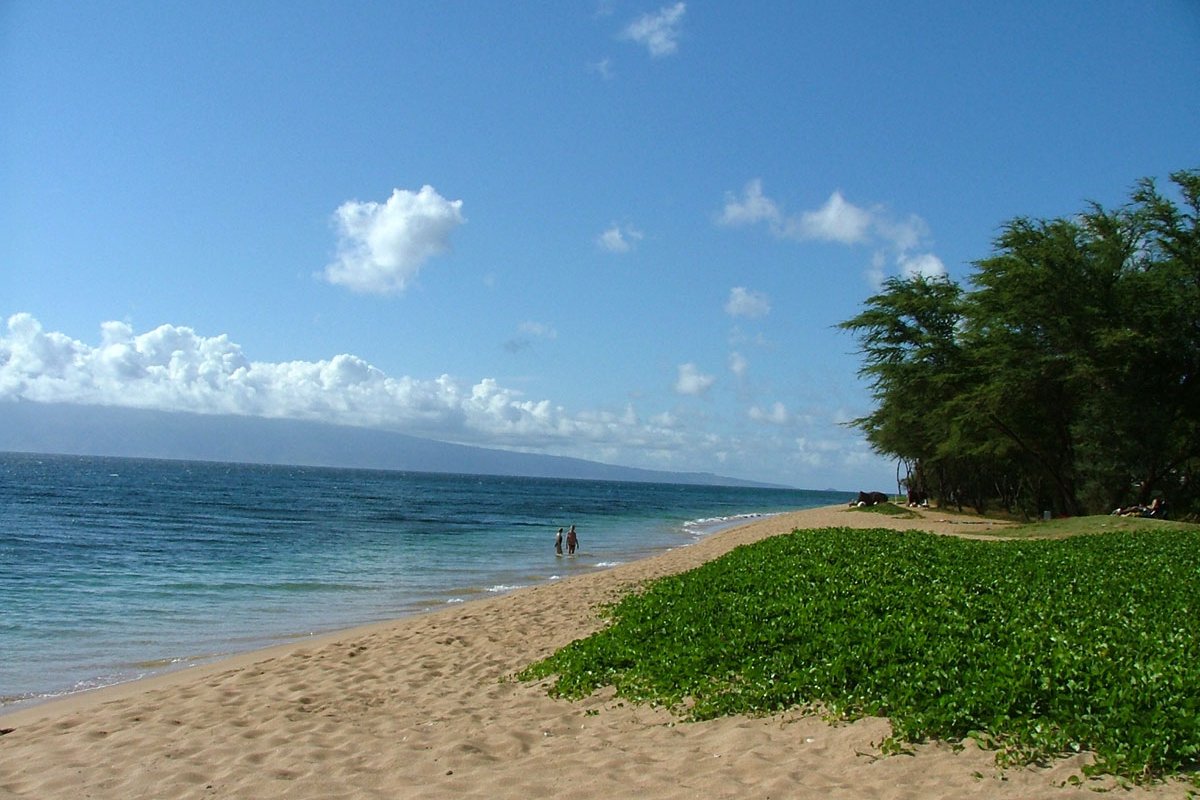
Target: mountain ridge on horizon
{"points": [[74, 429]]}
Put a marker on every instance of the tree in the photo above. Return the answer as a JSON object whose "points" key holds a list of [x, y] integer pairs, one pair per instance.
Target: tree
{"points": [[1067, 376], [908, 336], [1164, 310], [1038, 302]]}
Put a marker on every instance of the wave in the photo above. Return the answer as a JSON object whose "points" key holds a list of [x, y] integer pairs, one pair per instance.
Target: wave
{"points": [[706, 526]]}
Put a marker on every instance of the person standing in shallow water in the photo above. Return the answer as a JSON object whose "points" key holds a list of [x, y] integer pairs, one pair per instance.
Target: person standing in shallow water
{"points": [[558, 542], [572, 541]]}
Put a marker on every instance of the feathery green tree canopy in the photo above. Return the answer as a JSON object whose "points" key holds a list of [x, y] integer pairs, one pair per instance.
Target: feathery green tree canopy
{"points": [[1064, 378]]}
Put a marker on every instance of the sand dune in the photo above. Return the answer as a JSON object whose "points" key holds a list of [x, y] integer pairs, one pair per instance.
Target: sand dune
{"points": [[425, 707]]}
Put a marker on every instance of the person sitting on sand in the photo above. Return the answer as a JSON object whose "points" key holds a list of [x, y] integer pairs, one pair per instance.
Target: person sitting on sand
{"points": [[572, 541], [558, 542]]}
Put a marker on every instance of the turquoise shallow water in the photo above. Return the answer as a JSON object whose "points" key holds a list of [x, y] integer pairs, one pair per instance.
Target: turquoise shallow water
{"points": [[113, 569]]}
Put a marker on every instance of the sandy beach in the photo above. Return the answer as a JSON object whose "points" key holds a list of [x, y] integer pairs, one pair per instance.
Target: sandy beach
{"points": [[425, 707]]}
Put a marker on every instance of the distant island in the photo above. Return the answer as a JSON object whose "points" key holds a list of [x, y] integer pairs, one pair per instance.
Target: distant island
{"points": [[27, 427]]}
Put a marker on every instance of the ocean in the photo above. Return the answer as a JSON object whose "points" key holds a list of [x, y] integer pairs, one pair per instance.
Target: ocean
{"points": [[113, 569]]}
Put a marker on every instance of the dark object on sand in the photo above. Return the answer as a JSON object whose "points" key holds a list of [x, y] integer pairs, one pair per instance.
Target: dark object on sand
{"points": [[870, 499]]}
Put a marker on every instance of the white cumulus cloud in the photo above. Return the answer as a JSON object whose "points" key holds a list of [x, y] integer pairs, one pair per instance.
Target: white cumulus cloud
{"points": [[925, 265], [691, 381], [382, 246], [836, 221], [658, 32], [743, 302], [752, 207]]}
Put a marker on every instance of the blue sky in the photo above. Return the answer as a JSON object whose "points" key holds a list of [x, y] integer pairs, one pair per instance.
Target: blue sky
{"points": [[620, 231]]}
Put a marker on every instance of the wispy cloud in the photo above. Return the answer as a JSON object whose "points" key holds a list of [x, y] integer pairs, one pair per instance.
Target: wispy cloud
{"points": [[539, 330], [841, 222], [602, 67], [738, 364], [775, 414], [658, 32], [527, 332], [618, 239], [836, 221], [743, 302], [382, 246]]}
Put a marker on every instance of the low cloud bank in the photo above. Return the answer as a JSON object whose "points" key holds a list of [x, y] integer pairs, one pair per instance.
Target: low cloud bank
{"points": [[173, 368]]}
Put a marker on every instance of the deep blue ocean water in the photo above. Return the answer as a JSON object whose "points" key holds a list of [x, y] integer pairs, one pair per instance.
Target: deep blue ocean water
{"points": [[114, 569]]}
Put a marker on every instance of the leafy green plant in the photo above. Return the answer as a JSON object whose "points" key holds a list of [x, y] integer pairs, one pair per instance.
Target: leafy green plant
{"points": [[1035, 647]]}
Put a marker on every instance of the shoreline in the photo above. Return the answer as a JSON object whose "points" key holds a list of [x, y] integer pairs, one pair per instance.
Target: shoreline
{"points": [[189, 661], [425, 706], [80, 699]]}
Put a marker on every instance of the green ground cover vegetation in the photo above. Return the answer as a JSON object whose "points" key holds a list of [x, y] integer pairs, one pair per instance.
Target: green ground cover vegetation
{"points": [[1035, 647]]}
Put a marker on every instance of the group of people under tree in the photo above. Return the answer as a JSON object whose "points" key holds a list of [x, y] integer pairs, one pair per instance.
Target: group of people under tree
{"points": [[1156, 510]]}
